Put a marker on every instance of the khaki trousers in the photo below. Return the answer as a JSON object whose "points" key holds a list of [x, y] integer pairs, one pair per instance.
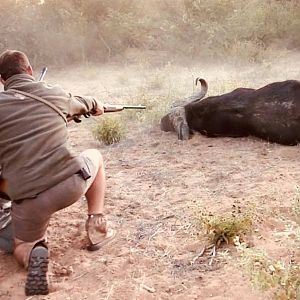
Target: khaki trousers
{"points": [[30, 217]]}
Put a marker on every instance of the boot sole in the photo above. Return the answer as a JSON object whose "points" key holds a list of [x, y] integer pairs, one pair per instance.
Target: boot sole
{"points": [[37, 281]]}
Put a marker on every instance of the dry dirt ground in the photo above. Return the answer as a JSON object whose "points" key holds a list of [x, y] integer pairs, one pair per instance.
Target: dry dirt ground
{"points": [[156, 189]]}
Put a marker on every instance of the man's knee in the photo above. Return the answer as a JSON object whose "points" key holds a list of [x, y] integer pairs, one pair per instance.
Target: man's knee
{"points": [[94, 156]]}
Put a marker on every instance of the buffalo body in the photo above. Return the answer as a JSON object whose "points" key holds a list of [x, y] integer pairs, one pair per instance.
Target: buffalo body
{"points": [[271, 113]]}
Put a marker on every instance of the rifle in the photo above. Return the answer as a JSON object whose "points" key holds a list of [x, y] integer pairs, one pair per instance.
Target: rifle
{"points": [[43, 73], [107, 107], [118, 107]]}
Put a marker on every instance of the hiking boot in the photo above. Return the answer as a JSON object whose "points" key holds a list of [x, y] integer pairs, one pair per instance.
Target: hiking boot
{"points": [[37, 280], [98, 232]]}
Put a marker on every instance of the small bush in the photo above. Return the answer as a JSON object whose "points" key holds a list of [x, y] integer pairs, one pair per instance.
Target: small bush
{"points": [[225, 228], [109, 130]]}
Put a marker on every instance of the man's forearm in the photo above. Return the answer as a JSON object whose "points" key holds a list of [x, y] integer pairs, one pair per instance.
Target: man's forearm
{"points": [[80, 105]]}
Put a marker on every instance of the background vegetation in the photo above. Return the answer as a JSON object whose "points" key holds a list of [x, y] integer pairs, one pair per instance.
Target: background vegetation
{"points": [[76, 31]]}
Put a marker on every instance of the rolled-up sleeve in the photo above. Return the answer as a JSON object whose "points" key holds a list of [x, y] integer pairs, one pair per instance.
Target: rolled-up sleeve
{"points": [[80, 105]]}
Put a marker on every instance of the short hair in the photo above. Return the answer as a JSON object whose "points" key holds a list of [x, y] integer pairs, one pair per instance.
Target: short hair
{"points": [[13, 62]]}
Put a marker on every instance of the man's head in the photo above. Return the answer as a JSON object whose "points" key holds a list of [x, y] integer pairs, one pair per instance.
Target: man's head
{"points": [[13, 62]]}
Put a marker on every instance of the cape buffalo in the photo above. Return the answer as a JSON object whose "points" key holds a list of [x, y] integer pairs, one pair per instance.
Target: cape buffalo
{"points": [[271, 113]]}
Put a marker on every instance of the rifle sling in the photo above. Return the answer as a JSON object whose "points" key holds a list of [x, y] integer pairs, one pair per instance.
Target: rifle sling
{"points": [[54, 107]]}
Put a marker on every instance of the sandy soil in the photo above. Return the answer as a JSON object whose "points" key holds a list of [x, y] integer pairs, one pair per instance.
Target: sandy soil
{"points": [[156, 189]]}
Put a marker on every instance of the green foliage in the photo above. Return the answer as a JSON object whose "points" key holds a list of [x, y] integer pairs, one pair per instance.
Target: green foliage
{"points": [[97, 30], [243, 29], [109, 130]]}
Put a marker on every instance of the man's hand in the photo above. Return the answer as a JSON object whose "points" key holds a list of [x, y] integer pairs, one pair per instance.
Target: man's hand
{"points": [[99, 110]]}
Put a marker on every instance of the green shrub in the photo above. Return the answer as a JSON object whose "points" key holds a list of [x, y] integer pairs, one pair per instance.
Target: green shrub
{"points": [[225, 228], [109, 130], [98, 30]]}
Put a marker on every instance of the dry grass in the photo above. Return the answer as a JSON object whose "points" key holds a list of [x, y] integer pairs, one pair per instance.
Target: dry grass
{"points": [[266, 273], [225, 228], [296, 204], [109, 130]]}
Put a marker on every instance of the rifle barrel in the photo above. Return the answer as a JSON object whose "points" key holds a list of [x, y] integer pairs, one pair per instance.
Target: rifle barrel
{"points": [[134, 106], [43, 73], [120, 107]]}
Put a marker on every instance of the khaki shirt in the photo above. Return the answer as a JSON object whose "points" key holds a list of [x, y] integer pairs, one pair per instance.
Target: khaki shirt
{"points": [[34, 155]]}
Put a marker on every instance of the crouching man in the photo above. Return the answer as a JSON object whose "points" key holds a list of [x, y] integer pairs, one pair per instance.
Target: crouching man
{"points": [[39, 172]]}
